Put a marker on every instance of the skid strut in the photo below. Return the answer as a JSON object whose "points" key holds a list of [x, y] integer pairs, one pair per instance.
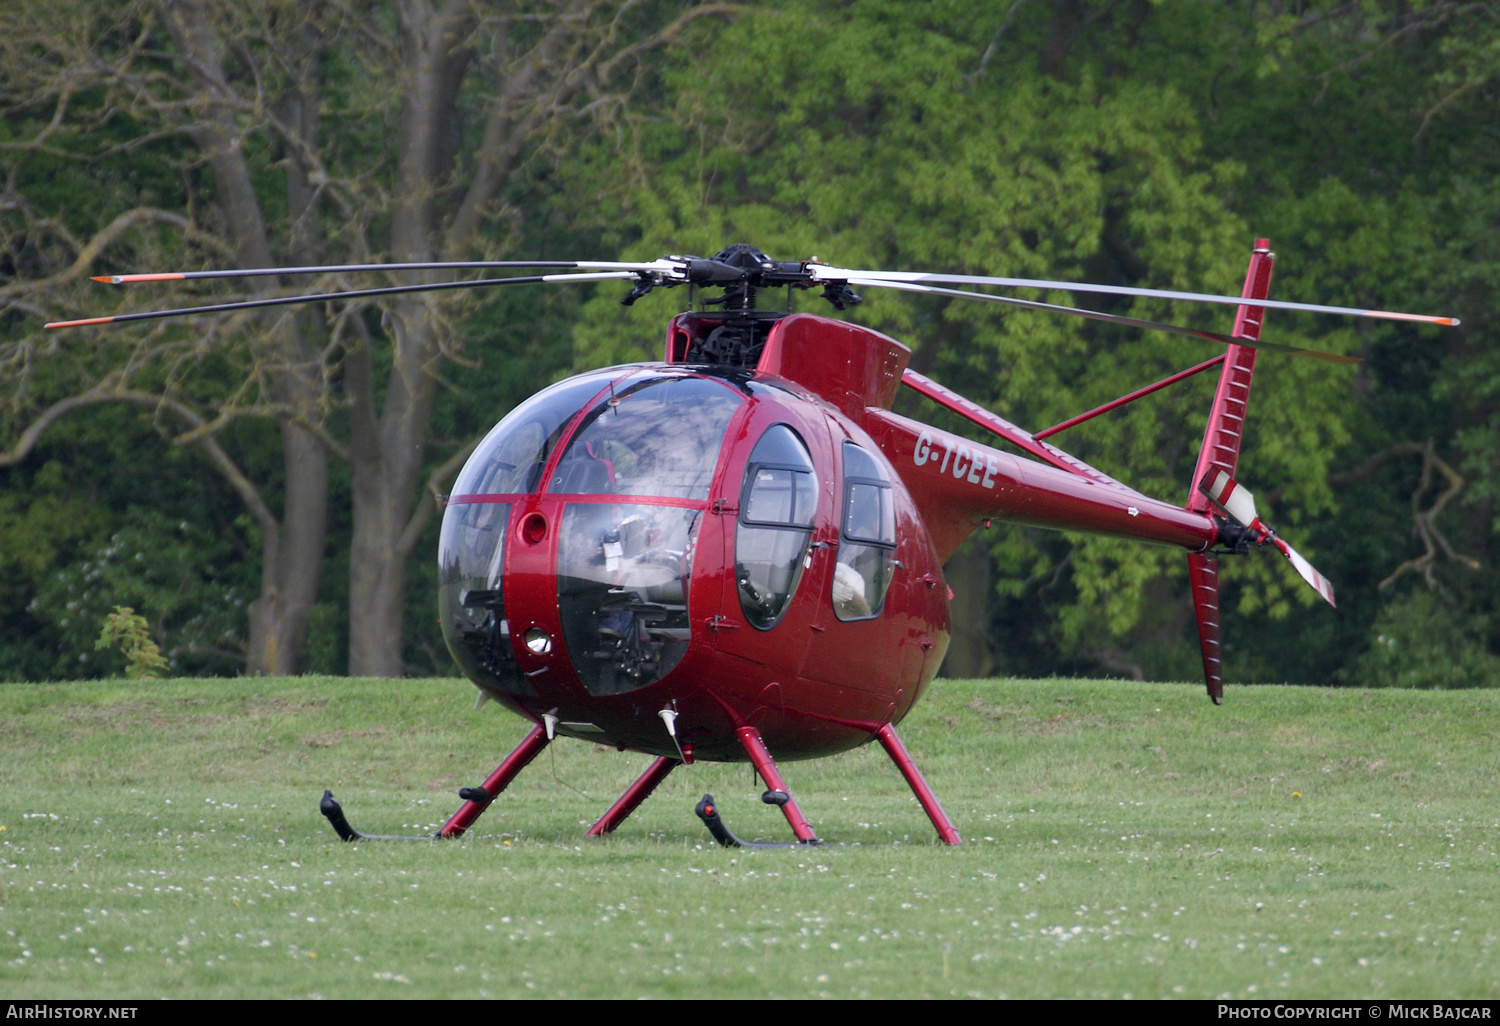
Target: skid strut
{"points": [[776, 794], [897, 751], [476, 799], [708, 811], [633, 796]]}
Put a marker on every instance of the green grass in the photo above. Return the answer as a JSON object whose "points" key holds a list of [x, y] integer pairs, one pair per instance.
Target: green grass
{"points": [[163, 840]]}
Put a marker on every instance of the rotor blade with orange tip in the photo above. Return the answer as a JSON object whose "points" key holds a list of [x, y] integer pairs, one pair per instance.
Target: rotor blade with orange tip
{"points": [[449, 265], [362, 293], [1094, 315], [823, 272]]}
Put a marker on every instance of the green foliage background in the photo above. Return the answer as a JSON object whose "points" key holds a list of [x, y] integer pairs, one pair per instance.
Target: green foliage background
{"points": [[1141, 143]]}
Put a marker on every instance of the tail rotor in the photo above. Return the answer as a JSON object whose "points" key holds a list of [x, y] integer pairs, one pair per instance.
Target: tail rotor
{"points": [[1239, 505]]}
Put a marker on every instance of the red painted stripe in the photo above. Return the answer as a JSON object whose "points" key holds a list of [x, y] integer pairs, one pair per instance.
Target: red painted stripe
{"points": [[618, 500]]}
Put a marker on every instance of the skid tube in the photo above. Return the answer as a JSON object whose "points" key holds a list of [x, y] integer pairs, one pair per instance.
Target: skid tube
{"points": [[708, 811], [330, 808], [476, 799]]}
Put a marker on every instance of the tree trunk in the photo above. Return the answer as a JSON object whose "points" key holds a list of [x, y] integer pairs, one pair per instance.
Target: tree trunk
{"points": [[433, 219], [292, 560], [292, 555], [387, 450], [970, 652], [386, 458]]}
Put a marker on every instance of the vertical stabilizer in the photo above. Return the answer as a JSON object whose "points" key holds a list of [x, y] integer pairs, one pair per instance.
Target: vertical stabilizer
{"points": [[1221, 451]]}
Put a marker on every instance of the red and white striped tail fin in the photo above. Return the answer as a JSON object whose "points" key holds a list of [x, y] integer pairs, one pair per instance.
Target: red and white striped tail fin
{"points": [[1226, 419], [1221, 452]]}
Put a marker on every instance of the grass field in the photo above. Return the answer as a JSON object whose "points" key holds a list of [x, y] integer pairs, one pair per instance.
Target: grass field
{"points": [[163, 840]]}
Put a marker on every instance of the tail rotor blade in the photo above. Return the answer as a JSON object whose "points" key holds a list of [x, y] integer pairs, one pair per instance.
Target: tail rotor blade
{"points": [[1230, 496], [1322, 585], [1235, 499]]}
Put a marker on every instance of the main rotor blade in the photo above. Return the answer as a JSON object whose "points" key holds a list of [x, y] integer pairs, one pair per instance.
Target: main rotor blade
{"points": [[822, 272], [1094, 315], [362, 293], [448, 265]]}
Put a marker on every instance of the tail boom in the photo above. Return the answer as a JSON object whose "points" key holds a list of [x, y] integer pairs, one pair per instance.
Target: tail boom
{"points": [[957, 484]]}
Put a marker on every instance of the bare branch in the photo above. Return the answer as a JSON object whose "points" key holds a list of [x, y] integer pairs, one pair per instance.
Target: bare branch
{"points": [[101, 393], [1375, 462], [989, 51], [108, 392], [433, 499], [669, 34], [1424, 522], [1438, 107], [90, 251], [506, 137]]}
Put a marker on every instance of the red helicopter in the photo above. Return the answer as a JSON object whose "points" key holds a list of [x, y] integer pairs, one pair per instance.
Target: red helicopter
{"points": [[736, 554]]}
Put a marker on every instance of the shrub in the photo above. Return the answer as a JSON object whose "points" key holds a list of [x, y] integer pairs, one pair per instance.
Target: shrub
{"points": [[127, 630]]}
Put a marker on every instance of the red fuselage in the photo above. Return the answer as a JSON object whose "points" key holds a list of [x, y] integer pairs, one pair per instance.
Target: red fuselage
{"points": [[759, 547]]}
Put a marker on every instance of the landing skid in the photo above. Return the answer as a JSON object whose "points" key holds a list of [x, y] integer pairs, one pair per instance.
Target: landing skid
{"points": [[330, 807], [709, 813], [477, 799]]}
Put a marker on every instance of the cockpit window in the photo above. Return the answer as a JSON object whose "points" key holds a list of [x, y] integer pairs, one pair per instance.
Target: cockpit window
{"points": [[778, 501], [660, 437], [512, 455], [622, 583], [471, 599], [867, 541]]}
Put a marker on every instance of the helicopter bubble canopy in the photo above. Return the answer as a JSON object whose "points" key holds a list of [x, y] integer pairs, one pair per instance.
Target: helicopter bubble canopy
{"points": [[471, 548], [512, 456], [656, 433], [627, 493]]}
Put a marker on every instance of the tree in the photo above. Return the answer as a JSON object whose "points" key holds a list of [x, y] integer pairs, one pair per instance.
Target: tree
{"points": [[1134, 142], [304, 132], [1371, 141], [886, 137]]}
